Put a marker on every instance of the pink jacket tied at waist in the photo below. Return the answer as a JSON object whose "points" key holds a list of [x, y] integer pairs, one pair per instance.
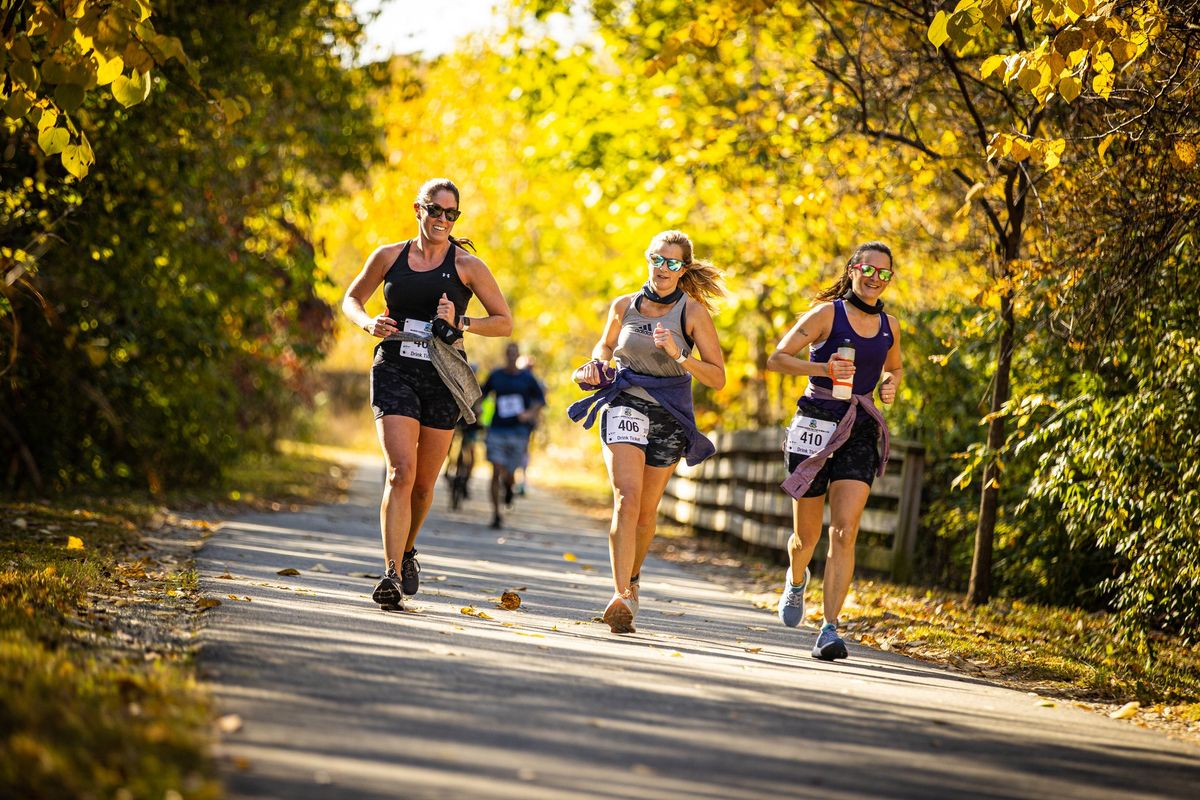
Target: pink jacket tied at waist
{"points": [[801, 478]]}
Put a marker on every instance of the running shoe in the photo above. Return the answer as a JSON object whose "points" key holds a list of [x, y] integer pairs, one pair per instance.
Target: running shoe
{"points": [[388, 594], [410, 574], [619, 615], [829, 646], [791, 602], [508, 494], [497, 523]]}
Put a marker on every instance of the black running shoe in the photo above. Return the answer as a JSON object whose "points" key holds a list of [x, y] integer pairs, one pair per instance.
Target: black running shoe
{"points": [[388, 593], [410, 574], [508, 495], [497, 523]]}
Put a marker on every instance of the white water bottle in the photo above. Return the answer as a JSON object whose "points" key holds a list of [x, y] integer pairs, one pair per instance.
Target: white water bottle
{"points": [[843, 390]]}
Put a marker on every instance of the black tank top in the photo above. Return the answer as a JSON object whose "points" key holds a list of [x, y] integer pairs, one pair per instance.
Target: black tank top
{"points": [[414, 295]]}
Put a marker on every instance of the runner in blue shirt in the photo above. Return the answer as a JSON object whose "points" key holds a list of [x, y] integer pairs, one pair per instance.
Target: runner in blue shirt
{"points": [[519, 400]]}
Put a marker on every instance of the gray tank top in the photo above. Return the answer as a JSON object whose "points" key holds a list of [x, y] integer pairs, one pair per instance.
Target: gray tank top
{"points": [[635, 344]]}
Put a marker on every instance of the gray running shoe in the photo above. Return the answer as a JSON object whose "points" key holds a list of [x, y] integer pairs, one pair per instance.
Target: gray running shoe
{"points": [[619, 615], [388, 594], [791, 602], [829, 646], [410, 574]]}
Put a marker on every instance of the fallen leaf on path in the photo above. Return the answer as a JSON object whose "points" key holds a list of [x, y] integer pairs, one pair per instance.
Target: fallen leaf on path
{"points": [[439, 577], [288, 571], [569, 557], [1045, 703], [531, 635], [230, 723], [226, 576], [671, 613], [1126, 711], [753, 649], [207, 602], [242, 763], [73, 542], [756, 628], [676, 654], [471, 611], [318, 568], [510, 601], [586, 567]]}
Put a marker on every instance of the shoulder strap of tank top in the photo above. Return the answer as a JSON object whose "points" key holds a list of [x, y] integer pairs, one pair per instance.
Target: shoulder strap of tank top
{"points": [[449, 260]]}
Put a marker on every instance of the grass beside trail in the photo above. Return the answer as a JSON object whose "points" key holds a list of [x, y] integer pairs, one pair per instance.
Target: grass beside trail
{"points": [[98, 696]]}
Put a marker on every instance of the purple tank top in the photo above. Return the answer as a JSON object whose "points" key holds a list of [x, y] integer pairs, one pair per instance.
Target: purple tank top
{"points": [[870, 352]]}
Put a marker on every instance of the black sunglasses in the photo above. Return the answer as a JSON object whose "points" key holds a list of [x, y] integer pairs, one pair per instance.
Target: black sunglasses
{"points": [[436, 211]]}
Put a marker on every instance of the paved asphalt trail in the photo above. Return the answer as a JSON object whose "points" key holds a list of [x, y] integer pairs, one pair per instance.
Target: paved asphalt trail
{"points": [[340, 699]]}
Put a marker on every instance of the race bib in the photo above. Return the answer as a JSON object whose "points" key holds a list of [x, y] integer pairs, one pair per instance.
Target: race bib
{"points": [[417, 350], [625, 425], [808, 436], [509, 405]]}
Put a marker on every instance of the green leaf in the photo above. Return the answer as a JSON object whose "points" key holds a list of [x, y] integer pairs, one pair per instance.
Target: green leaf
{"points": [[132, 90], [53, 140], [69, 96], [26, 73], [108, 70], [17, 105], [76, 160], [937, 30]]}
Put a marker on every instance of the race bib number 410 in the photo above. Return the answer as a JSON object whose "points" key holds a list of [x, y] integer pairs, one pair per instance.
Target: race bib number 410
{"points": [[625, 425], [808, 436]]}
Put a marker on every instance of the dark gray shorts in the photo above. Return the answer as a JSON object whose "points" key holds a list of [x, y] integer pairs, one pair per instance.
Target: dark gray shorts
{"points": [[665, 441], [856, 460], [407, 387]]}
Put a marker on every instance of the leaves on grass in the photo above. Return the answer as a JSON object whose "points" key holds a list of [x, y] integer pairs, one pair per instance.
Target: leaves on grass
{"points": [[74, 543], [288, 571]]}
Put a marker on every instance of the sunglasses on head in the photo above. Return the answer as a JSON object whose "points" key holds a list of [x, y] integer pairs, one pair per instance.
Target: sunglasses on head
{"points": [[436, 211], [870, 270], [673, 264]]}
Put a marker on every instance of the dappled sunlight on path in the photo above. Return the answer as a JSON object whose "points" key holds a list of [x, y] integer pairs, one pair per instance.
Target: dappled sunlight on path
{"points": [[711, 698]]}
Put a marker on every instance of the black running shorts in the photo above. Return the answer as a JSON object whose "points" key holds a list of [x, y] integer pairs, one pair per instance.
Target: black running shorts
{"points": [[663, 442], [856, 460], [409, 387]]}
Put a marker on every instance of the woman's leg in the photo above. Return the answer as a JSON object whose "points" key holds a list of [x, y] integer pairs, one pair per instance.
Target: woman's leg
{"points": [[398, 436], [654, 483], [807, 514], [626, 464], [847, 499], [432, 446]]}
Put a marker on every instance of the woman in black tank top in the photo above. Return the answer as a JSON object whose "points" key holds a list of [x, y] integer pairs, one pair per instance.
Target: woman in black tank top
{"points": [[426, 279]]}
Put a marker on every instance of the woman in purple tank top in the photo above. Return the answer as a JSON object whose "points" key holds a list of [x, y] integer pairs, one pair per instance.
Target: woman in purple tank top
{"points": [[837, 446]]}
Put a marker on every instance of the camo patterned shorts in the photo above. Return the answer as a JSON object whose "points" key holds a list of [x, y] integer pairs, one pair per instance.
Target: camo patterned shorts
{"points": [[665, 441], [856, 460]]}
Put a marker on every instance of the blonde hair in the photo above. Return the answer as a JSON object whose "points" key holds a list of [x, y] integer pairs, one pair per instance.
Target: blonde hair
{"points": [[701, 279]]}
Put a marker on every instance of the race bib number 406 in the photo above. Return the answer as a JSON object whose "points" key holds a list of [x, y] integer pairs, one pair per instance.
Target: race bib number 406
{"points": [[625, 425], [417, 350], [808, 436]]}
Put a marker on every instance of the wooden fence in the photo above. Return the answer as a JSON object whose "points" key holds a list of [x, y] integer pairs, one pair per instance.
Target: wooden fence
{"points": [[736, 492]]}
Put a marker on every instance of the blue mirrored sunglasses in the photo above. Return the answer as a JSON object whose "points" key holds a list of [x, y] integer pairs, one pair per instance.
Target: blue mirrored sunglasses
{"points": [[673, 264]]}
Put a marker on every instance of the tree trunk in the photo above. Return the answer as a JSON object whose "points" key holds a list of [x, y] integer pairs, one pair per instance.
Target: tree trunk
{"points": [[980, 589]]}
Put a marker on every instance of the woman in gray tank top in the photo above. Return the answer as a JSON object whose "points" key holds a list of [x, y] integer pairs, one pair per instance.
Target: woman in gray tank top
{"points": [[645, 428]]}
